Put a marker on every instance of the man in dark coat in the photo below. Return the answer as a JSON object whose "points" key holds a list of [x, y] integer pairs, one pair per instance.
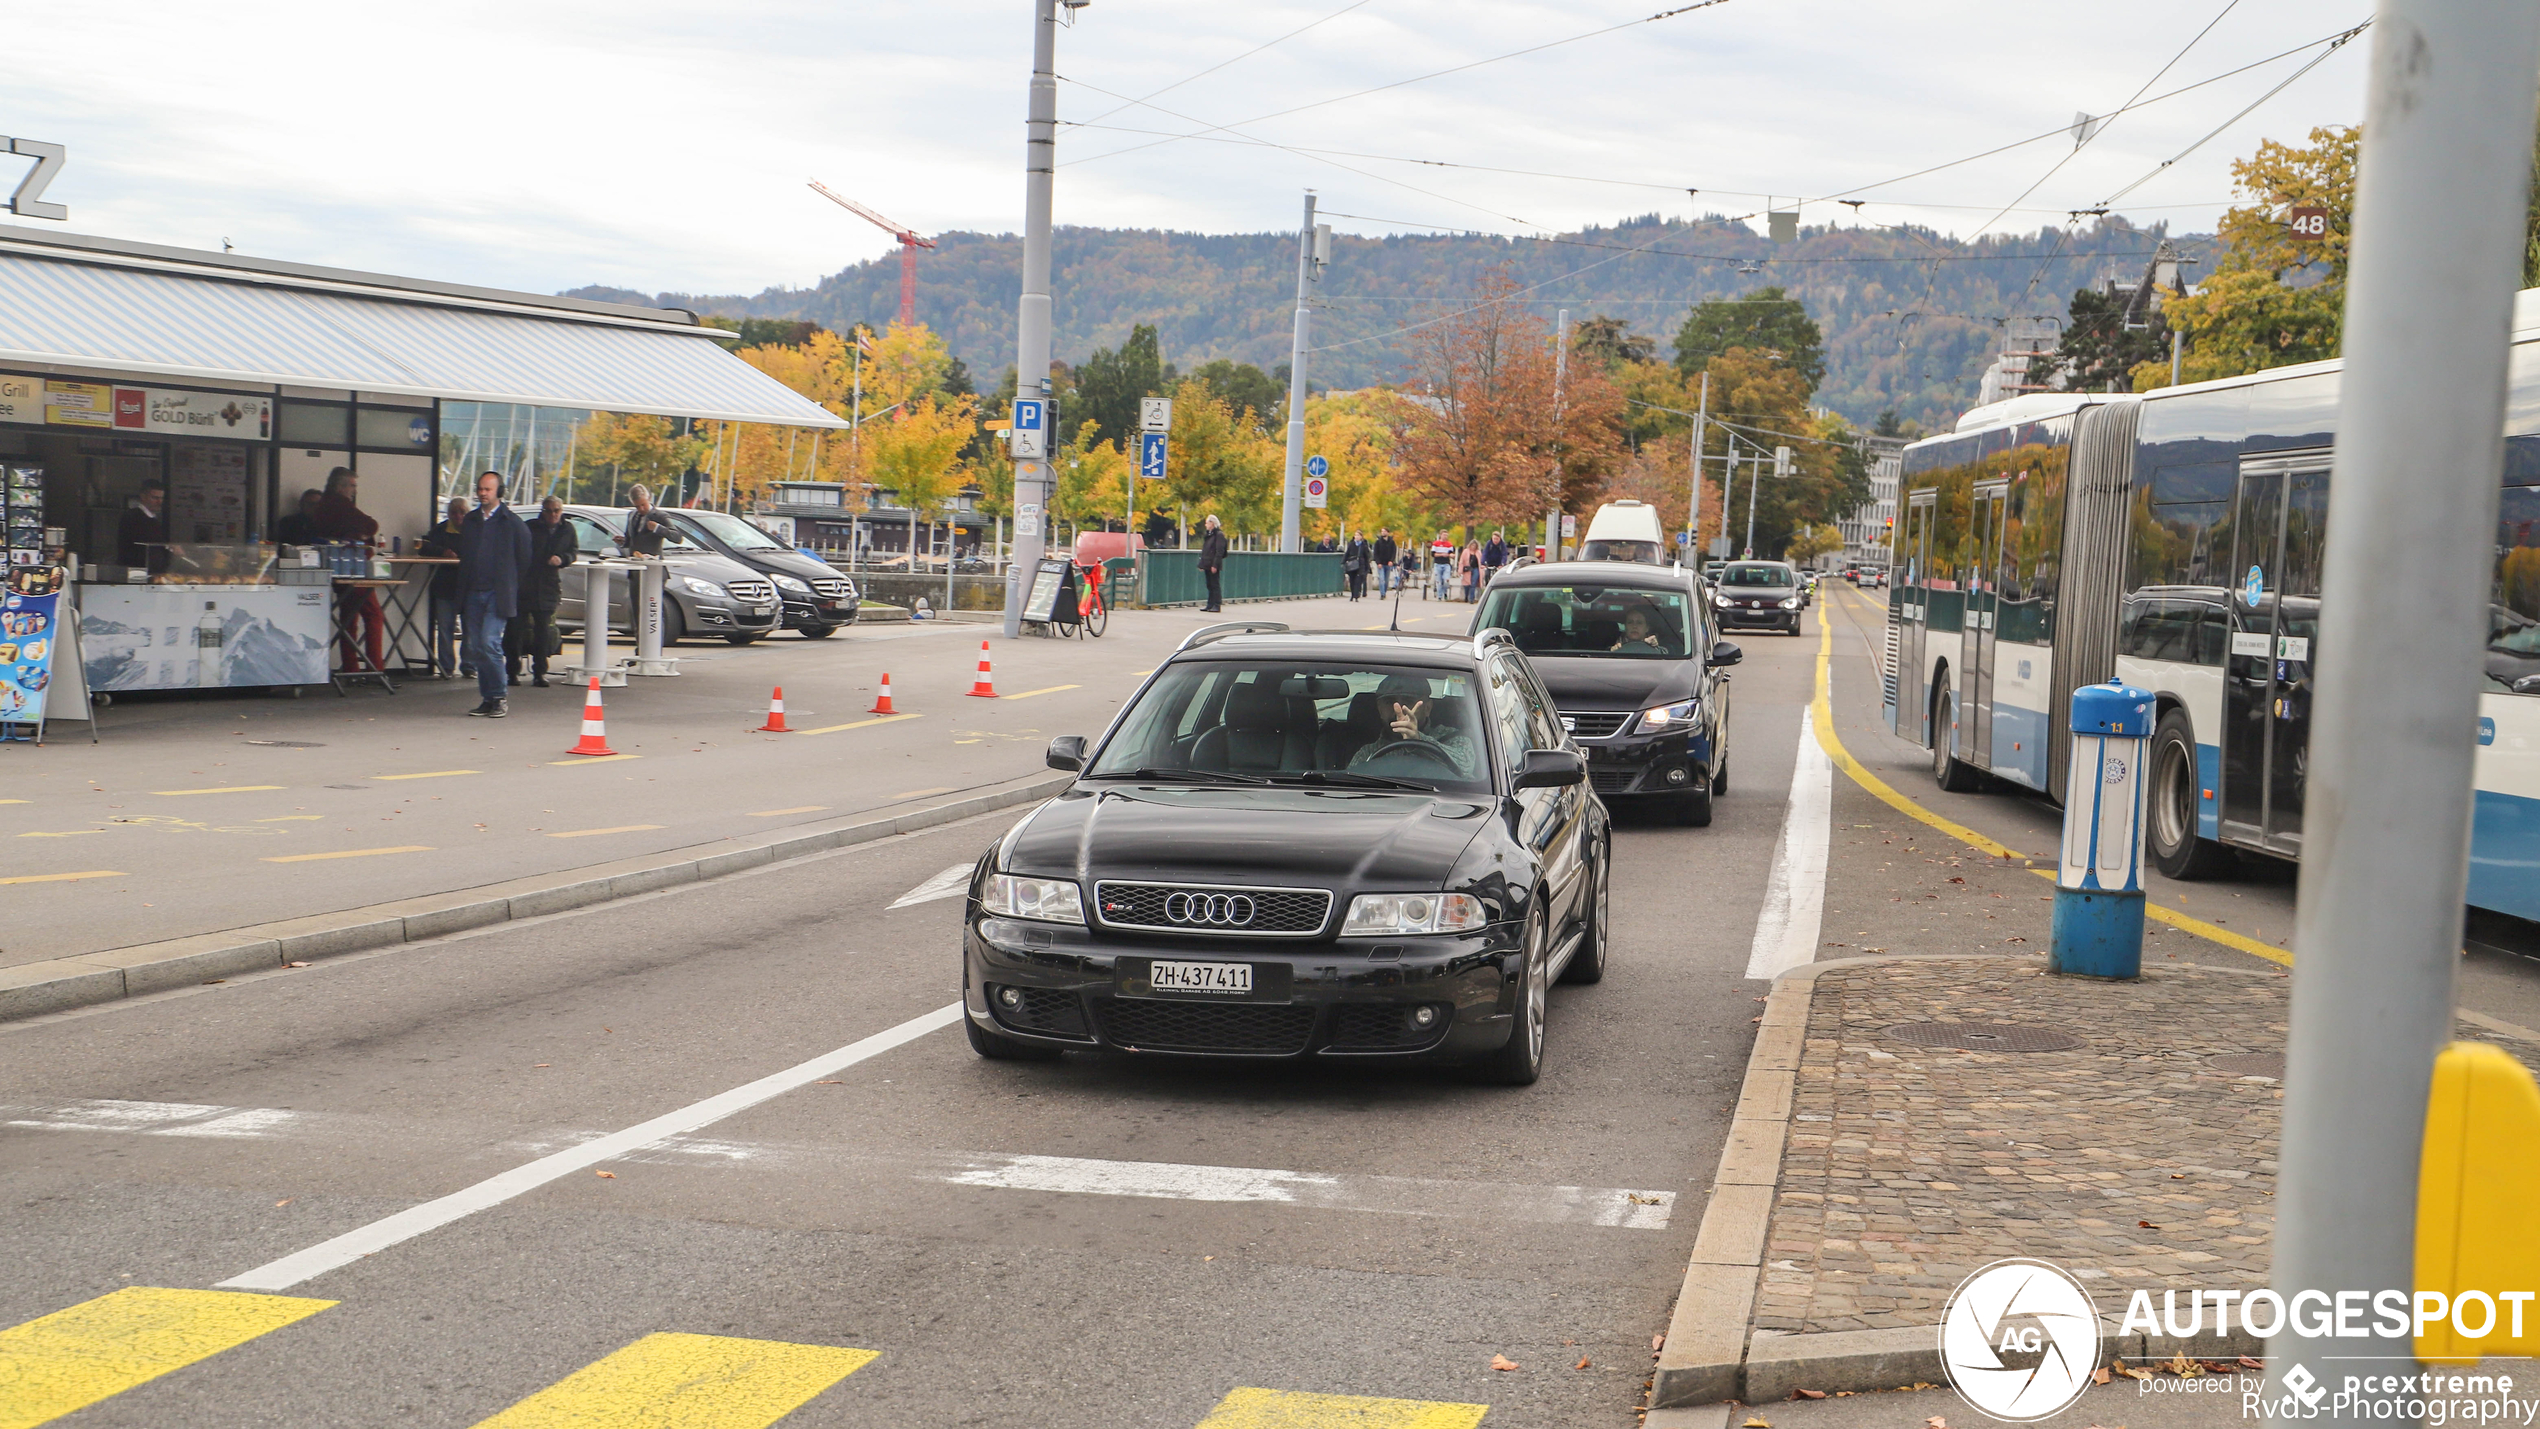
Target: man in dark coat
{"points": [[1386, 554], [494, 549], [141, 537], [1354, 559], [1212, 564], [552, 547], [442, 541]]}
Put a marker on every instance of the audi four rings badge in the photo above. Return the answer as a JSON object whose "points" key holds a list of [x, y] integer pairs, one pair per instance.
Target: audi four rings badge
{"points": [[1216, 910]]}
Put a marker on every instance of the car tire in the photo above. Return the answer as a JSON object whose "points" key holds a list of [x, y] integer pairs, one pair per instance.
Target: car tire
{"points": [[2169, 833], [1947, 770], [818, 632], [1694, 810], [1720, 778], [1587, 965], [740, 639], [674, 623], [998, 1048], [1519, 1061]]}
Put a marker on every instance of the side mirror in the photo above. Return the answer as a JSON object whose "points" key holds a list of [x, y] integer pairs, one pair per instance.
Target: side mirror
{"points": [[1723, 653], [1551, 769], [1066, 752]]}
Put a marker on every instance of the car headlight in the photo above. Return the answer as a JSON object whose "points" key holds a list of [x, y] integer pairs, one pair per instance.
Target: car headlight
{"points": [[1667, 716], [1723, 602], [791, 584], [704, 588], [1049, 900], [1385, 915], [1791, 604]]}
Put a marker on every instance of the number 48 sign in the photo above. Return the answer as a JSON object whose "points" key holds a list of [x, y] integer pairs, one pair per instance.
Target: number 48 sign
{"points": [[2308, 225]]}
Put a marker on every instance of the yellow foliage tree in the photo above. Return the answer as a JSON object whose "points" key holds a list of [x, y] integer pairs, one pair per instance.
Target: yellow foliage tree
{"points": [[2244, 317]]}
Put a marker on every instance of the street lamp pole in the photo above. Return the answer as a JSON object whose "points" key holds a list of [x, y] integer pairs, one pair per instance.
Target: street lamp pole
{"points": [[1032, 312], [1292, 488]]}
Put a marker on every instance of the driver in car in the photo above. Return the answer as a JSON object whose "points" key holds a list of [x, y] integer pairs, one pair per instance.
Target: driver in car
{"points": [[1639, 636], [1402, 702]]}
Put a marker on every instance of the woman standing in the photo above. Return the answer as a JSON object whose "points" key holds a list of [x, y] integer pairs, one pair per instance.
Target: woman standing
{"points": [[1470, 564], [1354, 561]]}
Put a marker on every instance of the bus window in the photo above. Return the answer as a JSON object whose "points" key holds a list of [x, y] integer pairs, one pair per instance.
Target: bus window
{"points": [[2513, 623]]}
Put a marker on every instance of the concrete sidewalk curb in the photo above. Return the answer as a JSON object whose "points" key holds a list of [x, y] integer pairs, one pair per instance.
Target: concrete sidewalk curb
{"points": [[61, 983]]}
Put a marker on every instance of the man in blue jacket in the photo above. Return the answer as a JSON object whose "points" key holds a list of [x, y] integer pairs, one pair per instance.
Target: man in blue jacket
{"points": [[494, 550]]}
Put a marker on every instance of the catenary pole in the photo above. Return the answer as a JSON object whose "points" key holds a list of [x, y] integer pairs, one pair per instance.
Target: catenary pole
{"points": [[2437, 244], [1292, 487], [1560, 379], [1032, 311], [1693, 520]]}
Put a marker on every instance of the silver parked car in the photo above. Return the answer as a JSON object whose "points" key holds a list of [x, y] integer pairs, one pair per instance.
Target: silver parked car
{"points": [[703, 593]]}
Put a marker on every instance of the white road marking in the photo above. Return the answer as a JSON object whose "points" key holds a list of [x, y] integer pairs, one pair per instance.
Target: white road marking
{"points": [[494, 1190], [950, 883], [149, 1118], [1395, 1195], [1795, 900]]}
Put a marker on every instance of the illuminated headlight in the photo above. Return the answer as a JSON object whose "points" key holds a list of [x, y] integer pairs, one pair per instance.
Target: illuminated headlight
{"points": [[1791, 604], [1382, 915], [1722, 601], [704, 588], [1049, 900], [791, 584], [1667, 716]]}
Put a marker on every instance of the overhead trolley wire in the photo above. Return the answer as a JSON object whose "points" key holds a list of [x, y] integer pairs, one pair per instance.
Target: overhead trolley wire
{"points": [[2334, 45], [1221, 64]]}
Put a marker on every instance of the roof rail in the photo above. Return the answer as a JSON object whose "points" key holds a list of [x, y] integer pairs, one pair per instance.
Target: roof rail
{"points": [[1206, 633], [1518, 563], [1496, 635]]}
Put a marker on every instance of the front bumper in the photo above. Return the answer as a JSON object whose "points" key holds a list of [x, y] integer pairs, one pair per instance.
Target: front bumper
{"points": [[724, 615], [800, 612], [1748, 616], [1054, 985], [1675, 763]]}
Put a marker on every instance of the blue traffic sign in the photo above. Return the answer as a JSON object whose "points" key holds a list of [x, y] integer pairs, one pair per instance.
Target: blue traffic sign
{"points": [[1316, 466], [1027, 414], [1151, 456]]}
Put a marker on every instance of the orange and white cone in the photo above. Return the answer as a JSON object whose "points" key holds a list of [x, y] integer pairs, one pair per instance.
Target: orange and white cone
{"points": [[775, 714], [883, 705], [985, 686], [595, 735]]}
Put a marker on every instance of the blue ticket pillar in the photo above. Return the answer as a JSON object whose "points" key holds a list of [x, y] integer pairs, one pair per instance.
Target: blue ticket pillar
{"points": [[2099, 885]]}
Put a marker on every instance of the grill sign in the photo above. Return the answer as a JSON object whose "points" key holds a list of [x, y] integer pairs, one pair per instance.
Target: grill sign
{"points": [[1208, 910]]}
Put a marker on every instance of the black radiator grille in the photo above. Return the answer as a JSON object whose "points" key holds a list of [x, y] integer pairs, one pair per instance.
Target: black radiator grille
{"points": [[1222, 911], [1262, 1029]]}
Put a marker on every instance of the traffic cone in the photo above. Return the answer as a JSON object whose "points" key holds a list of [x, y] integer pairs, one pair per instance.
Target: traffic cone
{"points": [[985, 686], [775, 714], [883, 705], [595, 735]]}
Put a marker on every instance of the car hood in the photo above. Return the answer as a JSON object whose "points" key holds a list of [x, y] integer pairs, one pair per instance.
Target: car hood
{"points": [[1343, 839], [791, 563], [1614, 683], [706, 565]]}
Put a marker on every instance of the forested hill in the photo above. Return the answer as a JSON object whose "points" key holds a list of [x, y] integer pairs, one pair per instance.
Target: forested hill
{"points": [[1909, 316]]}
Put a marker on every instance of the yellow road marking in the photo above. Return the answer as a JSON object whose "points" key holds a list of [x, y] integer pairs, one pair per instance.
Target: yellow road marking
{"points": [[921, 793], [1823, 710], [292, 819], [431, 774], [12, 801], [620, 829], [230, 789], [348, 853], [62, 877], [797, 809], [62, 833], [1288, 1409], [73, 1358], [590, 759], [1140, 674], [862, 723], [691, 1381], [1043, 690]]}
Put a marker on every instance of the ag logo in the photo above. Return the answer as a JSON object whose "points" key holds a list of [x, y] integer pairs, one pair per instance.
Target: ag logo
{"points": [[2020, 1340], [2304, 1385]]}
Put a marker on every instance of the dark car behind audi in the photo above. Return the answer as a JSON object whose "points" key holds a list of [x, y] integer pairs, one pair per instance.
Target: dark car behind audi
{"points": [[1302, 845], [1631, 662], [1758, 593], [814, 597]]}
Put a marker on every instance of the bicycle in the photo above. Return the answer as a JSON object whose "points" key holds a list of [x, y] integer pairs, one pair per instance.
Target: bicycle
{"points": [[1092, 612]]}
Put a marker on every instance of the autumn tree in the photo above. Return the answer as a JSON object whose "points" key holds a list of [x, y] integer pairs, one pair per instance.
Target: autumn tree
{"points": [[2097, 351], [1767, 321], [625, 450], [1110, 383], [2270, 300]]}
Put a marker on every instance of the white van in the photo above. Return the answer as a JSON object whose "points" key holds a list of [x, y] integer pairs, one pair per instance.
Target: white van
{"points": [[1625, 531]]}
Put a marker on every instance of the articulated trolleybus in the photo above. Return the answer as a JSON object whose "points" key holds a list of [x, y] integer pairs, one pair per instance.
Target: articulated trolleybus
{"points": [[2174, 541]]}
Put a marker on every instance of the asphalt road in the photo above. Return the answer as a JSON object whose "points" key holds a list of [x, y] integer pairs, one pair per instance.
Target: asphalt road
{"points": [[1093, 1243]]}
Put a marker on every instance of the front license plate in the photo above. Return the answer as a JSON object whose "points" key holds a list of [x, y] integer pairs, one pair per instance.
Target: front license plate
{"points": [[1232, 978]]}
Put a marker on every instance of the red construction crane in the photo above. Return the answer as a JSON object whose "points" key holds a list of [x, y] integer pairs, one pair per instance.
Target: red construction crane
{"points": [[909, 244]]}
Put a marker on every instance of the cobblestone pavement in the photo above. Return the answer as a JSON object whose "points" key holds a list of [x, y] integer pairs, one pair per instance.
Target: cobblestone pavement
{"points": [[2130, 1160]]}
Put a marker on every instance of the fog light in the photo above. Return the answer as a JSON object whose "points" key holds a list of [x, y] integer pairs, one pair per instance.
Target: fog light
{"points": [[1678, 775], [1011, 997], [1424, 1017]]}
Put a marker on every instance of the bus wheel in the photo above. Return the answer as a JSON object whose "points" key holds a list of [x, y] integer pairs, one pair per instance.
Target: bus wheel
{"points": [[1947, 770], [2171, 806]]}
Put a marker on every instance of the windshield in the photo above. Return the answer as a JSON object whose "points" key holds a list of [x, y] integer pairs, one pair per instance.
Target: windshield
{"points": [[1587, 619], [1645, 552], [732, 531], [1756, 575], [1303, 722]]}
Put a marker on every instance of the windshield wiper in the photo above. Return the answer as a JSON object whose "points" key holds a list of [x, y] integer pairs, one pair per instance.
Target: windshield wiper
{"points": [[1185, 776], [1354, 781]]}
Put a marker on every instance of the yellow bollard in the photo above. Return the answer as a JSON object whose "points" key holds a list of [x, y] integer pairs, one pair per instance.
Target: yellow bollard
{"points": [[2478, 1201]]}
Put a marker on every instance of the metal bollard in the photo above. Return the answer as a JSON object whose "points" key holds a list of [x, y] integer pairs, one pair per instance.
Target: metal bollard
{"points": [[2099, 883], [595, 632], [648, 577]]}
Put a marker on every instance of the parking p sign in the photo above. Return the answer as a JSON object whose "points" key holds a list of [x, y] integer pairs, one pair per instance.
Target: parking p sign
{"points": [[1316, 489], [1031, 432]]}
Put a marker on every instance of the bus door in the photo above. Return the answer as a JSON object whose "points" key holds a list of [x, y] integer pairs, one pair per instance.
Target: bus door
{"points": [[1909, 606], [2279, 535], [1984, 600]]}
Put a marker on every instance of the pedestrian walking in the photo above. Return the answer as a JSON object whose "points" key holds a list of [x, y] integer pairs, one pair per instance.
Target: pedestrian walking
{"points": [[1212, 563], [1354, 561], [341, 518], [494, 551], [1442, 566], [442, 600], [551, 548], [1469, 568], [1386, 555]]}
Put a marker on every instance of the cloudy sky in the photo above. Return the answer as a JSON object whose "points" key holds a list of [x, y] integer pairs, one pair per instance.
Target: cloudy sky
{"points": [[541, 144]]}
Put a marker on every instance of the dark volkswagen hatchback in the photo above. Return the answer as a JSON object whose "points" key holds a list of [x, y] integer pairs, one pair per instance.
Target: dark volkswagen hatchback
{"points": [[1629, 655], [1301, 845]]}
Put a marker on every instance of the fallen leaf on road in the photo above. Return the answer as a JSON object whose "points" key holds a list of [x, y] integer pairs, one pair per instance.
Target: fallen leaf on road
{"points": [[1844, 1393], [2184, 1367], [2130, 1372], [2147, 1225], [605, 1175], [543, 1064], [2099, 1376], [1502, 1362], [295, 965], [1758, 1424], [2248, 1363], [278, 1205], [1807, 1394], [1935, 1422], [1582, 1364], [829, 1084], [1658, 1342]]}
